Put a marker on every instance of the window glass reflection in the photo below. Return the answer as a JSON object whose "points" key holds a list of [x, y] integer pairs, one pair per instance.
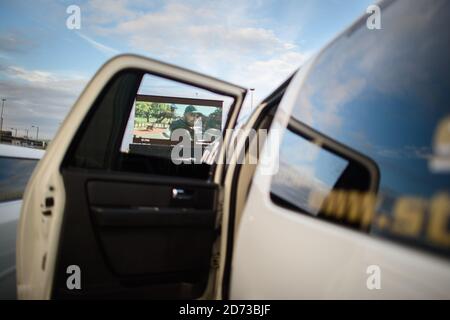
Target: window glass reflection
{"points": [[305, 169], [14, 175]]}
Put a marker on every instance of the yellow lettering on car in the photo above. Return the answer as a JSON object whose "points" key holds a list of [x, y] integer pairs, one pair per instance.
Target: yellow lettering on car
{"points": [[437, 226], [409, 216]]}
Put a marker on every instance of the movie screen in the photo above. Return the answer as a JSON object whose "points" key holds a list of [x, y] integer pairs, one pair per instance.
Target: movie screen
{"points": [[156, 118]]}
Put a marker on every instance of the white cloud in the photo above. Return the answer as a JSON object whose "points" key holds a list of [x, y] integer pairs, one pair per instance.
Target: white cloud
{"points": [[99, 46], [179, 29], [36, 97], [107, 11], [29, 76], [266, 75], [218, 38]]}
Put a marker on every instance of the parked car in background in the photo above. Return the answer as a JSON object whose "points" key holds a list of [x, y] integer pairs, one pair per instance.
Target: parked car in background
{"points": [[16, 166]]}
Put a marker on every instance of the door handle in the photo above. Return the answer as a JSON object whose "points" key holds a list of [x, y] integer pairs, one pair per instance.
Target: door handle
{"points": [[182, 194]]}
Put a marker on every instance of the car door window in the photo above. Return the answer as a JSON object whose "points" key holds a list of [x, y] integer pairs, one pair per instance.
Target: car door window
{"points": [[312, 170], [133, 124]]}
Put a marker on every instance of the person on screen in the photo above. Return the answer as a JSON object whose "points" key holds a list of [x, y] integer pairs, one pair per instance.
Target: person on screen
{"points": [[186, 122]]}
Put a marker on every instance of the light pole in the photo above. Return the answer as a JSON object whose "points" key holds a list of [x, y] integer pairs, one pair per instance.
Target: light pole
{"points": [[37, 131], [1, 119], [26, 137], [251, 98]]}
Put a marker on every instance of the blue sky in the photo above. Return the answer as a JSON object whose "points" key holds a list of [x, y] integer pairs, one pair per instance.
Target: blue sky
{"points": [[44, 65]]}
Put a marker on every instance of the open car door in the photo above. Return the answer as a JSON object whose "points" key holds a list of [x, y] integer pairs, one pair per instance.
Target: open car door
{"points": [[112, 211]]}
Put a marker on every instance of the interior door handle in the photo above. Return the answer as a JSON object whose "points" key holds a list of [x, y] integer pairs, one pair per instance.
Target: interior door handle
{"points": [[182, 194]]}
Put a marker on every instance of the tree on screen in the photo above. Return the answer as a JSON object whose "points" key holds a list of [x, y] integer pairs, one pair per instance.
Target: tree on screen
{"points": [[156, 111]]}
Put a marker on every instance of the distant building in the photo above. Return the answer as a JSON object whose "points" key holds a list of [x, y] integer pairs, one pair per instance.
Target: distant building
{"points": [[8, 138]]}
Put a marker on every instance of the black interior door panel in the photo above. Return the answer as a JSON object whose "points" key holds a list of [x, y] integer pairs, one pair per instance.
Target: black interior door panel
{"points": [[152, 217], [136, 236]]}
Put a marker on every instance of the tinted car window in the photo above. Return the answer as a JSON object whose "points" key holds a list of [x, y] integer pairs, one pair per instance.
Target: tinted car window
{"points": [[129, 128], [386, 94], [300, 172], [14, 175]]}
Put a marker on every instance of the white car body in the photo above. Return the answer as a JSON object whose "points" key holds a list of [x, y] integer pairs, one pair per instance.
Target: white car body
{"points": [[340, 270]]}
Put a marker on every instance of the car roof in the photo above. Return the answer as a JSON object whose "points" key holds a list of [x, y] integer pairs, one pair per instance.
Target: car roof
{"points": [[7, 150]]}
